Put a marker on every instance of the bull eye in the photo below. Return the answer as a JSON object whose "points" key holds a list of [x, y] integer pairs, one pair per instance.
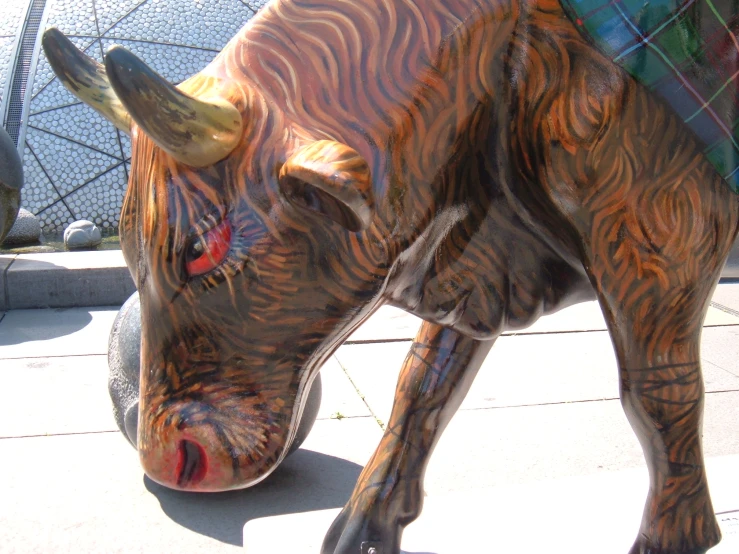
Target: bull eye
{"points": [[207, 251]]}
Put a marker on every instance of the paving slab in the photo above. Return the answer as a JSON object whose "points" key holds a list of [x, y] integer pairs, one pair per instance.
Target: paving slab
{"points": [[505, 446], [68, 395], [387, 323], [390, 323], [721, 347], [92, 488], [533, 369], [339, 399], [55, 332], [87, 493], [577, 515], [515, 480], [587, 316], [731, 269], [726, 297], [64, 279]]}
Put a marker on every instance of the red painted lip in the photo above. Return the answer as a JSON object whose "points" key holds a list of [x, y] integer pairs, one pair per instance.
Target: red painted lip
{"points": [[192, 463], [217, 244]]}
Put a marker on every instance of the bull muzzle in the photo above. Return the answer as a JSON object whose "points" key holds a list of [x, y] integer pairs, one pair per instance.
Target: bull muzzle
{"points": [[192, 459], [185, 447]]}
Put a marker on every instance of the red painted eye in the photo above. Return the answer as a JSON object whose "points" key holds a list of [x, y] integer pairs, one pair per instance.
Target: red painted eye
{"points": [[208, 251]]}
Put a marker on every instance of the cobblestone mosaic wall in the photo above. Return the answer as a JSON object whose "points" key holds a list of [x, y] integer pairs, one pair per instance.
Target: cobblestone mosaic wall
{"points": [[76, 163]]}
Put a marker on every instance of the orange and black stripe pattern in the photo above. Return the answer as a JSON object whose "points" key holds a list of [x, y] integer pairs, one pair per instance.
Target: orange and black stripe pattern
{"points": [[476, 163]]}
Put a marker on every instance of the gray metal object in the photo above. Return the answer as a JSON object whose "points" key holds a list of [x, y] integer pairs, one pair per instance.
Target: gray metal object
{"points": [[24, 64], [12, 23]]}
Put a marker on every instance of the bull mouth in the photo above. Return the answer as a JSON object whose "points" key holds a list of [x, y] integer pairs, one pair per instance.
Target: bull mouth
{"points": [[192, 463]]}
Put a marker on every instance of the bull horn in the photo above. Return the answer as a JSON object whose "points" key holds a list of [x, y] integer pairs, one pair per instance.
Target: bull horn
{"points": [[193, 131], [85, 78]]}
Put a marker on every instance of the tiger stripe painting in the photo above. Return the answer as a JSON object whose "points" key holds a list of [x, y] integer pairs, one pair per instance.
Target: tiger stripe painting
{"points": [[478, 163]]}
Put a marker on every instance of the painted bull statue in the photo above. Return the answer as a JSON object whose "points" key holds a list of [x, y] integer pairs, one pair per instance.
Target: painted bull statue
{"points": [[476, 163]]}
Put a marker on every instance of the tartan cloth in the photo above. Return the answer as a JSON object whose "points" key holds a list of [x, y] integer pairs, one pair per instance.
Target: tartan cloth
{"points": [[687, 51]]}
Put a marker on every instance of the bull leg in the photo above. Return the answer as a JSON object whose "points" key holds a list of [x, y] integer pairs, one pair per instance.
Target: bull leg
{"points": [[655, 300], [434, 379], [662, 395]]}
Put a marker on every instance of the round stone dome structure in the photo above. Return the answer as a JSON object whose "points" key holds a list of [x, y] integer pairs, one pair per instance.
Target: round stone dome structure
{"points": [[75, 162]]}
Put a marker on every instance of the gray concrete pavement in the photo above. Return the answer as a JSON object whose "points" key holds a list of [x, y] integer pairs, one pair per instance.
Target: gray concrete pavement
{"points": [[577, 515], [56, 332], [539, 456]]}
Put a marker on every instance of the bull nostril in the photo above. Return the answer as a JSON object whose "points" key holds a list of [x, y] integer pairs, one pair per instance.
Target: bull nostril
{"points": [[192, 463]]}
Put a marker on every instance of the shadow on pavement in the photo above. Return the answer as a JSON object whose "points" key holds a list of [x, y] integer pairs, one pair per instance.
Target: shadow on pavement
{"points": [[306, 481], [19, 326]]}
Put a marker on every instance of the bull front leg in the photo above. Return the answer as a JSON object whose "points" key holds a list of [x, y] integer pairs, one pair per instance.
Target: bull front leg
{"points": [[434, 379]]}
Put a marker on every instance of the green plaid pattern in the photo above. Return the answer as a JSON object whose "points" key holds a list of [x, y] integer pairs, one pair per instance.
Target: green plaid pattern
{"points": [[687, 51]]}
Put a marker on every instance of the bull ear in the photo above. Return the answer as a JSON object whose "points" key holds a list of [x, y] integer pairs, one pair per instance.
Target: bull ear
{"points": [[332, 179]]}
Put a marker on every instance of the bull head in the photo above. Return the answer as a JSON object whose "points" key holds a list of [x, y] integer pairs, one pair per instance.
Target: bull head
{"points": [[224, 227]]}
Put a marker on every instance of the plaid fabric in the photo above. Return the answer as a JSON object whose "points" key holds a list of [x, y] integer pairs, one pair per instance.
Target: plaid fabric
{"points": [[687, 51]]}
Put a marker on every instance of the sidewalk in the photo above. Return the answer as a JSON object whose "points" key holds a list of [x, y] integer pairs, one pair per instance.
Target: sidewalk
{"points": [[538, 459]]}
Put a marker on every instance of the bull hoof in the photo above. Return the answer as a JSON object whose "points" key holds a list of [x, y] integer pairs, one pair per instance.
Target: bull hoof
{"points": [[124, 354], [644, 546], [357, 534], [646, 549]]}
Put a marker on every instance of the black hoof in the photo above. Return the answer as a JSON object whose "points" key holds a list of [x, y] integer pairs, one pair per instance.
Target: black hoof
{"points": [[360, 535]]}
